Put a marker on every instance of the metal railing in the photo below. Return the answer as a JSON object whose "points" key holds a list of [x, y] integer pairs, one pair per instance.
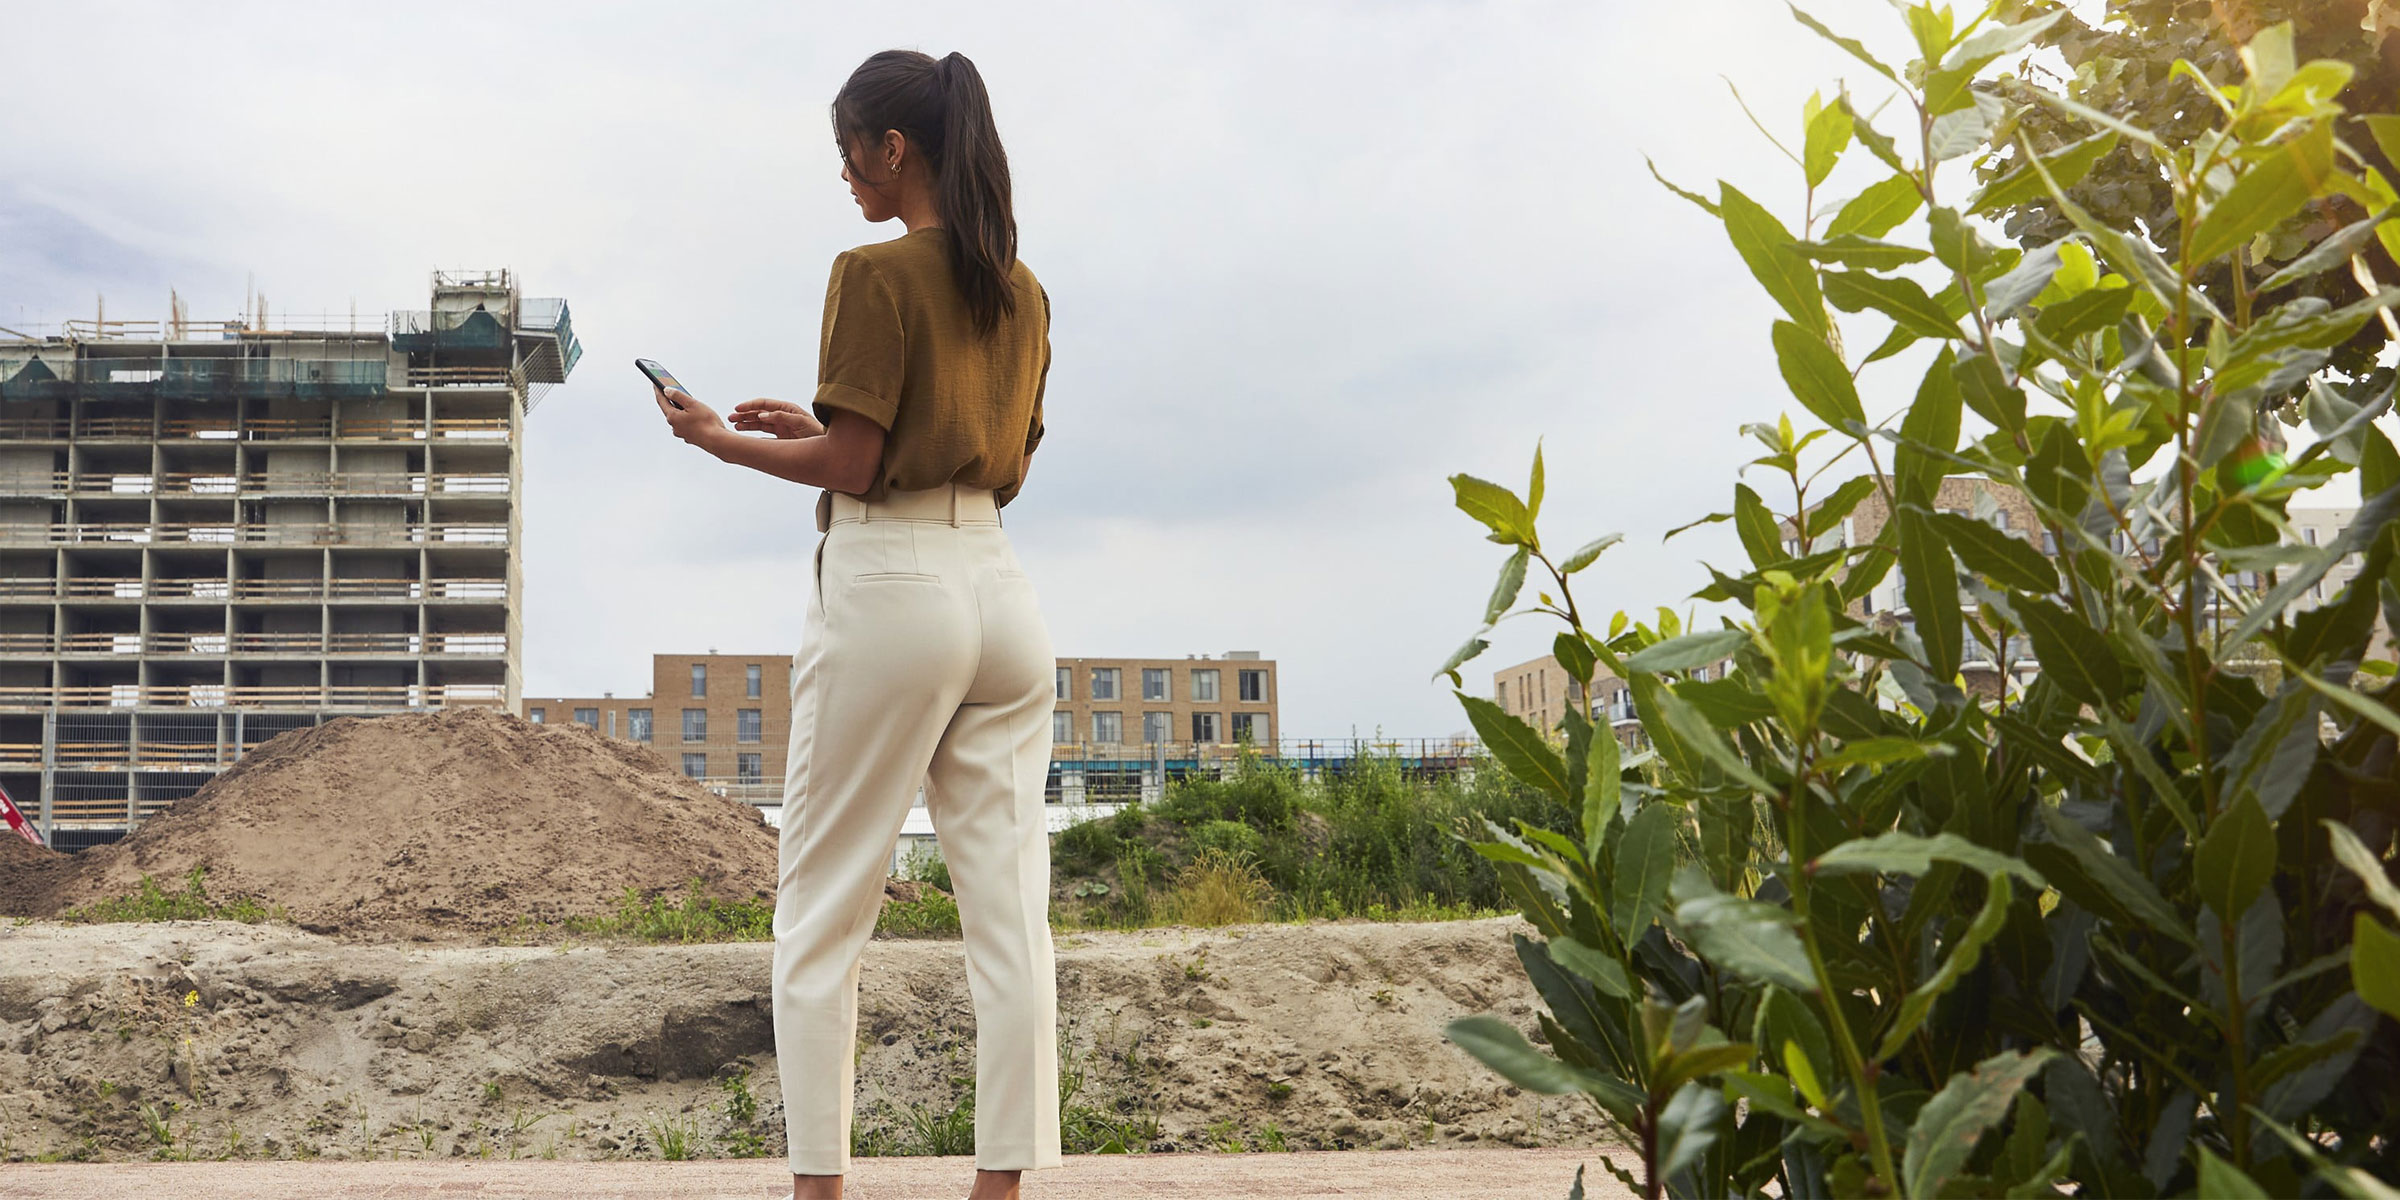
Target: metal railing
{"points": [[379, 429], [210, 695], [180, 642], [285, 533], [221, 588]]}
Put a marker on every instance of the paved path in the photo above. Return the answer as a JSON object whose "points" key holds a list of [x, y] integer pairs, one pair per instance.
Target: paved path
{"points": [[1384, 1174]]}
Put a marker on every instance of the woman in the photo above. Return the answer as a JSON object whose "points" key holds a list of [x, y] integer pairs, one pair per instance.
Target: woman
{"points": [[924, 657]]}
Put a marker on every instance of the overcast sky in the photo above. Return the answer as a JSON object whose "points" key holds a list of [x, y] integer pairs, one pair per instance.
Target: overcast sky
{"points": [[1306, 261]]}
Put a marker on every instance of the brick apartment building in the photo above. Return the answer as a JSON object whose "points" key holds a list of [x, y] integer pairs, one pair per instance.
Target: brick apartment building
{"points": [[726, 719]]}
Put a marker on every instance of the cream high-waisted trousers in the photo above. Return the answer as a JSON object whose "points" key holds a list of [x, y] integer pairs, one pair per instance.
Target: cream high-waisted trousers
{"points": [[924, 660]]}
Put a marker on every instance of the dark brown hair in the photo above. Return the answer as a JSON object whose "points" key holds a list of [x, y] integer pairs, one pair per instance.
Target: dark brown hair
{"points": [[941, 107]]}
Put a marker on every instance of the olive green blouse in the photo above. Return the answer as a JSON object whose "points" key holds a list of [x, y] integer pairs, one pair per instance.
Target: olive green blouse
{"points": [[900, 348]]}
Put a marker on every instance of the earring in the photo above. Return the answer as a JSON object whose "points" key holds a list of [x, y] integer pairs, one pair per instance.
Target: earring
{"points": [[895, 166]]}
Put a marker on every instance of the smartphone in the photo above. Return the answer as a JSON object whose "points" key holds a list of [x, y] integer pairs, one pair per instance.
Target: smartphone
{"points": [[659, 377]]}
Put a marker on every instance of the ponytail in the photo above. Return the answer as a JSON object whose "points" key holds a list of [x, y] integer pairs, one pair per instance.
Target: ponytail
{"points": [[942, 108]]}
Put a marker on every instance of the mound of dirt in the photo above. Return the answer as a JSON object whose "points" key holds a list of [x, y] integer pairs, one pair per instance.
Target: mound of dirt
{"points": [[28, 874], [436, 823]]}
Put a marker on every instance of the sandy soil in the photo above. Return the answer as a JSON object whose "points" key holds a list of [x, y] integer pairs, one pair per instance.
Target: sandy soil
{"points": [[304, 1045], [436, 824]]}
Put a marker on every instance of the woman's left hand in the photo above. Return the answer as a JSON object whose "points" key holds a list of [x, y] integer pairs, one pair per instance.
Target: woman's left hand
{"points": [[695, 422]]}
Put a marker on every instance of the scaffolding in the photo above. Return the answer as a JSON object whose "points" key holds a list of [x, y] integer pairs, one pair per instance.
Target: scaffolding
{"points": [[212, 533]]}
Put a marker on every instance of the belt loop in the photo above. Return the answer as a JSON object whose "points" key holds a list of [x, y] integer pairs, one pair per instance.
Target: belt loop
{"points": [[953, 504]]}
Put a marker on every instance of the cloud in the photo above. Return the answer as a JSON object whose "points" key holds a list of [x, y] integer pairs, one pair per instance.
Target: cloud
{"points": [[1307, 260]]}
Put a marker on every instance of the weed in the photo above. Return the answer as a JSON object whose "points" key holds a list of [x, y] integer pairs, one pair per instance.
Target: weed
{"points": [[1201, 1022], [674, 1137], [1270, 1138], [1197, 969], [930, 915], [1222, 1137], [154, 1123], [1218, 888], [150, 902], [518, 1124], [1279, 1091], [695, 917], [491, 1091]]}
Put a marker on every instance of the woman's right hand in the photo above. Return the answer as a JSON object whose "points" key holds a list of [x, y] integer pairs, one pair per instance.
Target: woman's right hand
{"points": [[782, 418]]}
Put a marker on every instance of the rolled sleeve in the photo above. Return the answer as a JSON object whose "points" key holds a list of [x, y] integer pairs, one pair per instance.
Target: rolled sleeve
{"points": [[1033, 430], [862, 354]]}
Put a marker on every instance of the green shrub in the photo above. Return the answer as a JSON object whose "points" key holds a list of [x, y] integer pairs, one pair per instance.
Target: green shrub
{"points": [[1855, 927], [1231, 838], [931, 915], [150, 902], [924, 863], [1218, 889], [1254, 792], [694, 917]]}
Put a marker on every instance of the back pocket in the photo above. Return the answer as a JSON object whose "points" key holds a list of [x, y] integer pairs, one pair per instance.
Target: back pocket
{"points": [[895, 577]]}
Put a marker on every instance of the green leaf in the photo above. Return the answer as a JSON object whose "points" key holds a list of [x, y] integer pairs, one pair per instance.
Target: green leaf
{"points": [[2272, 189], [1852, 45], [2236, 857], [2072, 653], [1749, 938], [1533, 488], [1774, 257], [2221, 1180], [1512, 581], [1895, 296], [1928, 431], [1828, 135], [2375, 964], [1495, 506], [1589, 553], [1688, 1127], [2067, 166], [1880, 752], [2080, 314], [1688, 728], [1851, 250], [1761, 536], [1474, 646], [1815, 374], [1841, 503], [2089, 872], [1573, 653], [1501, 1047], [2096, 117], [1637, 888], [2337, 248], [1986, 389], [1877, 210], [1950, 1124], [2001, 557], [1603, 790], [1595, 968], [1519, 747], [1913, 854], [1689, 651], [1706, 205], [2353, 853], [1964, 954], [1930, 587]]}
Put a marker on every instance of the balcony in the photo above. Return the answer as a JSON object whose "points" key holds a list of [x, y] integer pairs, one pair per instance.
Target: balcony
{"points": [[294, 533], [214, 696], [191, 378], [345, 645], [218, 588]]}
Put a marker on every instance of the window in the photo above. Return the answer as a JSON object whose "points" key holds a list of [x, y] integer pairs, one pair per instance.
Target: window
{"points": [[747, 726], [1253, 686], [589, 718], [754, 681], [2312, 537], [695, 766], [1204, 687], [1108, 727], [1062, 684], [699, 679], [1204, 727], [1104, 683], [1154, 683], [1158, 727], [749, 768], [1249, 726], [534, 714], [1062, 726], [695, 724], [637, 724]]}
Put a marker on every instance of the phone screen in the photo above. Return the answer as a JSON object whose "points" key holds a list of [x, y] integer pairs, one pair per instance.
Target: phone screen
{"points": [[660, 376]]}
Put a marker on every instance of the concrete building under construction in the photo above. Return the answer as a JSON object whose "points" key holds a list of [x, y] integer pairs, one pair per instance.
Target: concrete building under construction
{"points": [[211, 533]]}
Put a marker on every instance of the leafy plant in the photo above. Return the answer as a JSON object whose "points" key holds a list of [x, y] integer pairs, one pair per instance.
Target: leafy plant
{"points": [[2067, 875]]}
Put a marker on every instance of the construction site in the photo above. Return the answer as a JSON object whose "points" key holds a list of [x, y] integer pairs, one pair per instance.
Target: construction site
{"points": [[215, 532]]}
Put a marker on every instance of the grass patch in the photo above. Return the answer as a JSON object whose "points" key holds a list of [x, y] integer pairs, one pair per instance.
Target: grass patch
{"points": [[150, 902]]}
